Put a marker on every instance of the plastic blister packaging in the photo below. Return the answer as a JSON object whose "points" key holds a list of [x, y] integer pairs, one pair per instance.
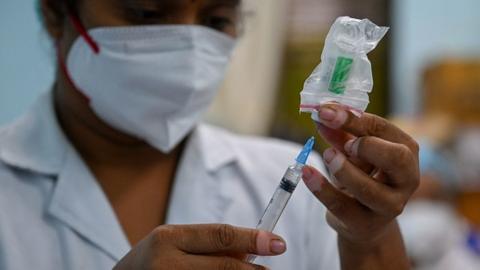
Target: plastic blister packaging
{"points": [[345, 74]]}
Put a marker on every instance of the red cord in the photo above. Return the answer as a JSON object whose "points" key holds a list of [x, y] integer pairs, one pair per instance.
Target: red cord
{"points": [[77, 24], [83, 32]]}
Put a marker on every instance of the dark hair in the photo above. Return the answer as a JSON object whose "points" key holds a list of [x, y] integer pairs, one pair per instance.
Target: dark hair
{"points": [[60, 9], [71, 5]]}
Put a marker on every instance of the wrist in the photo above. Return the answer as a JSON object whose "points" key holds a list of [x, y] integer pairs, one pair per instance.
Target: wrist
{"points": [[391, 231], [384, 251]]}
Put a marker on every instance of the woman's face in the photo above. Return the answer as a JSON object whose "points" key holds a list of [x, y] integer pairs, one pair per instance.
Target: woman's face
{"points": [[221, 15]]}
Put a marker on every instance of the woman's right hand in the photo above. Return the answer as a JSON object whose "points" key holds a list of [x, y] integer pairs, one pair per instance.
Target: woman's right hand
{"points": [[210, 246]]}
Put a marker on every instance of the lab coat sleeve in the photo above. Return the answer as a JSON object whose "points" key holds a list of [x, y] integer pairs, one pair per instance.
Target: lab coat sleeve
{"points": [[322, 249]]}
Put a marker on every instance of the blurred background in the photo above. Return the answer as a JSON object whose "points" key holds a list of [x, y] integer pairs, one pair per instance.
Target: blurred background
{"points": [[427, 80]]}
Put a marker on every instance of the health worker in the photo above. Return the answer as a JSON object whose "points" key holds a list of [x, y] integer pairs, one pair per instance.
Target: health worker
{"points": [[113, 168]]}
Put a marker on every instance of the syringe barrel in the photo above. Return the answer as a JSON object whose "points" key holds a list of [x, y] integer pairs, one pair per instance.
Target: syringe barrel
{"points": [[280, 198], [279, 201]]}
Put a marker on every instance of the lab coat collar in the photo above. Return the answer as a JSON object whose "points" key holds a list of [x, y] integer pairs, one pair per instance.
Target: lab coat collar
{"points": [[215, 147], [35, 141], [79, 202]]}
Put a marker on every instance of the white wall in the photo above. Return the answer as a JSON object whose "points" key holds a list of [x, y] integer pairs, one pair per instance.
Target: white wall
{"points": [[26, 61], [424, 31]]}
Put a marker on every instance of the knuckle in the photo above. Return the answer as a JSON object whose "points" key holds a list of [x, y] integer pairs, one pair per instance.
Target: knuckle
{"points": [[415, 146], [166, 229], [397, 207], [415, 181], [159, 234], [224, 236], [165, 235], [403, 156], [377, 125], [371, 195], [366, 192], [162, 236], [398, 210], [336, 206]]}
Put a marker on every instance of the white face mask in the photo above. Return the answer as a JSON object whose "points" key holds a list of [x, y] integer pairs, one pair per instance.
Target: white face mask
{"points": [[151, 82]]}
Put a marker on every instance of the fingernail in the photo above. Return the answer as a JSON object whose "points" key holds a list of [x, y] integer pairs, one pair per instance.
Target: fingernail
{"points": [[307, 173], [277, 246], [314, 185], [266, 243], [333, 117], [334, 160], [327, 114], [329, 155], [349, 147]]}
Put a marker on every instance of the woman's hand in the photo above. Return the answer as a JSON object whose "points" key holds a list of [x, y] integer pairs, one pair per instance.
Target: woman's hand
{"points": [[212, 247], [374, 166]]}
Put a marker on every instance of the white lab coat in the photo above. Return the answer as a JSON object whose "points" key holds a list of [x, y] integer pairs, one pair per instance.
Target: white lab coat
{"points": [[54, 215]]}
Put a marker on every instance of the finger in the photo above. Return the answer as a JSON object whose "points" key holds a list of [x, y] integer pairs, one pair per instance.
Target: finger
{"points": [[338, 138], [219, 263], [378, 197], [343, 207], [222, 238], [337, 117], [395, 160]]}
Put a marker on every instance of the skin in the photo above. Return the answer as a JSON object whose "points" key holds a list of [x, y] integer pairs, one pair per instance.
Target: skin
{"points": [[374, 166], [362, 208]]}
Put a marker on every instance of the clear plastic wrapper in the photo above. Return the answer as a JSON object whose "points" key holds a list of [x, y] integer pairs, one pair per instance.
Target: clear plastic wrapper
{"points": [[345, 74]]}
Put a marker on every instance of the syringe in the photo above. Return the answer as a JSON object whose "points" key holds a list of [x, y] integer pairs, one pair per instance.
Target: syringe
{"points": [[283, 192]]}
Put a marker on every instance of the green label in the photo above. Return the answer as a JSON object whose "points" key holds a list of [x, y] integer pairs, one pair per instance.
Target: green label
{"points": [[340, 75]]}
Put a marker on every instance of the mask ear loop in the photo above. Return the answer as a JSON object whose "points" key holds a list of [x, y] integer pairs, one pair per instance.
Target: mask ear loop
{"points": [[77, 24]]}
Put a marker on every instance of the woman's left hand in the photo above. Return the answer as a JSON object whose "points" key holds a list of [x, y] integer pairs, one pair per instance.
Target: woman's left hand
{"points": [[374, 166]]}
